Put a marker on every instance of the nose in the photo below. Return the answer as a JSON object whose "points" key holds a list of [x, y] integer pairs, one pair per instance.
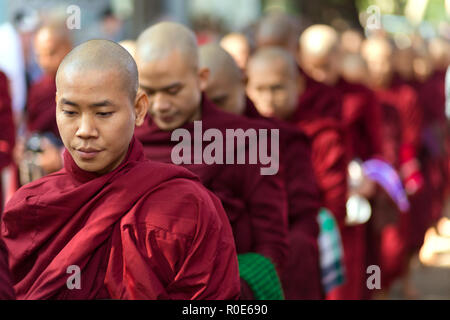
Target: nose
{"points": [[87, 128], [160, 104]]}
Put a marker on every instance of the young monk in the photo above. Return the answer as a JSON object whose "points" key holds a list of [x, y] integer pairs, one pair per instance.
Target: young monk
{"points": [[226, 88], [274, 85], [167, 57], [7, 133], [167, 239]]}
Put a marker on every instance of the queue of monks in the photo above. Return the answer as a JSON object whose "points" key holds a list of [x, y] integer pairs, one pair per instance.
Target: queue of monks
{"points": [[94, 183]]}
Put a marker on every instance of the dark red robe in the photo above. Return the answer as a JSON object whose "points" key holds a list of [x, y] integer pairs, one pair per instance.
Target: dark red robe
{"points": [[7, 132], [361, 115], [255, 204], [6, 287], [405, 99], [301, 276], [143, 231], [41, 106], [318, 117]]}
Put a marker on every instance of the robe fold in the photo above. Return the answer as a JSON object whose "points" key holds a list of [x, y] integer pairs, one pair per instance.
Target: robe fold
{"points": [[301, 276], [255, 204], [143, 231], [7, 132], [41, 106]]}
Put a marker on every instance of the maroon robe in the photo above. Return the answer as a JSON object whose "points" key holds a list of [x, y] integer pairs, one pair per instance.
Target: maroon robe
{"points": [[255, 204], [361, 115], [7, 132], [301, 277], [405, 99], [167, 239], [41, 106], [6, 287], [319, 119]]}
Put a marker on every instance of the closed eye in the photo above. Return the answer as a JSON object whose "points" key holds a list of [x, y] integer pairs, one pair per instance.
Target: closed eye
{"points": [[69, 113], [105, 114]]}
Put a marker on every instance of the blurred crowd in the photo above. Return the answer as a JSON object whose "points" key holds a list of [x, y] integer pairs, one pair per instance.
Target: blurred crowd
{"points": [[371, 106]]}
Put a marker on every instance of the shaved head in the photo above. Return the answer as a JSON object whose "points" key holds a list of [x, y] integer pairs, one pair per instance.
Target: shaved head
{"points": [[220, 63], [237, 45], [319, 40], [439, 50], [277, 56], [130, 46], [274, 30], [225, 86], [163, 39], [52, 42], [102, 55]]}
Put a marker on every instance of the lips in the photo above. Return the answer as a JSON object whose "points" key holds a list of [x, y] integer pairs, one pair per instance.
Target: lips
{"points": [[88, 153]]}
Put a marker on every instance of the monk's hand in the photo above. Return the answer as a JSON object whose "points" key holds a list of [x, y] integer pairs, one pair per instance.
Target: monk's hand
{"points": [[50, 159], [367, 188]]}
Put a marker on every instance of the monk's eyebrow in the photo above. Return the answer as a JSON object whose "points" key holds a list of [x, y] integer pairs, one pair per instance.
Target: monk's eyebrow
{"points": [[170, 86], [104, 103], [67, 102]]}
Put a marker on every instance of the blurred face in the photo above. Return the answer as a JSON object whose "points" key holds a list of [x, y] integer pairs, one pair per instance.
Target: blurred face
{"points": [[174, 90], [379, 64], [227, 96], [273, 89], [50, 52], [96, 118], [322, 69]]}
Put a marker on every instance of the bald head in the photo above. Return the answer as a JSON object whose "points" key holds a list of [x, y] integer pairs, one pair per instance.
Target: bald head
{"points": [[130, 46], [220, 63], [318, 40], [165, 38], [237, 45], [278, 56], [225, 85], [276, 29], [52, 42], [102, 56]]}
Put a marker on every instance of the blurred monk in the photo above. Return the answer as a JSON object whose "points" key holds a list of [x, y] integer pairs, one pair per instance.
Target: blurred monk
{"points": [[401, 240], [226, 88], [169, 73], [168, 239], [275, 86]]}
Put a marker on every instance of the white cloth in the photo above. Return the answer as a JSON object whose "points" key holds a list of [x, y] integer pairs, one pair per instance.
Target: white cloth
{"points": [[447, 93]]}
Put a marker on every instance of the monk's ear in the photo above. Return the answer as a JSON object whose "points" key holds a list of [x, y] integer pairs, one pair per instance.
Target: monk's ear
{"points": [[141, 106], [203, 76]]}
